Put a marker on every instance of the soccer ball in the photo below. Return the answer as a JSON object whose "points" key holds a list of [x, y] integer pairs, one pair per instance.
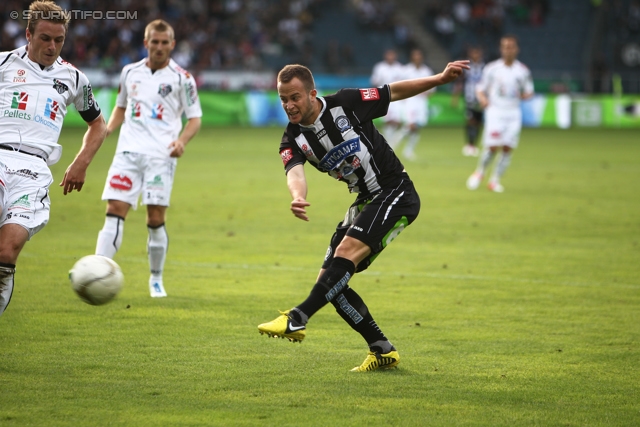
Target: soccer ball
{"points": [[96, 279]]}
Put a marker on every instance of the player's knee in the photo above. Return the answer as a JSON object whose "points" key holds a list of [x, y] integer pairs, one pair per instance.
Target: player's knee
{"points": [[118, 208], [155, 216]]}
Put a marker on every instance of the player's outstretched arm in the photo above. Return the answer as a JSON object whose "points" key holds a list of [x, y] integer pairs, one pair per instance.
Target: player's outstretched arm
{"points": [[77, 171], [190, 130], [115, 120], [297, 183], [408, 88]]}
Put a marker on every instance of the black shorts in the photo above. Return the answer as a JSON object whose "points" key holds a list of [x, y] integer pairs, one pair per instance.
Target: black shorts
{"points": [[377, 220]]}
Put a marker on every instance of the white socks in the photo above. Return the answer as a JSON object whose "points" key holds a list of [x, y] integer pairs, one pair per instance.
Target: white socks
{"points": [[503, 163], [157, 249], [110, 237]]}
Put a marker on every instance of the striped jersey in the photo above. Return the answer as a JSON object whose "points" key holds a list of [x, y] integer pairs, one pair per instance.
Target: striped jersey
{"points": [[471, 79], [344, 143], [34, 101]]}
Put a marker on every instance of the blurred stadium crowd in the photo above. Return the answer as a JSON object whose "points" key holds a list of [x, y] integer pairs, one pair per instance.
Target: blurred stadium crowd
{"points": [[262, 35]]}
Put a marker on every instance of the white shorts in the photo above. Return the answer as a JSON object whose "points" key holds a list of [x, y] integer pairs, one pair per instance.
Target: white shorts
{"points": [[24, 191], [416, 111], [134, 174], [502, 128]]}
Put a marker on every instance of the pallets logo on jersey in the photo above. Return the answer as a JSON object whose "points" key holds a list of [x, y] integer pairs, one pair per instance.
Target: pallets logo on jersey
{"points": [[19, 100], [19, 104]]}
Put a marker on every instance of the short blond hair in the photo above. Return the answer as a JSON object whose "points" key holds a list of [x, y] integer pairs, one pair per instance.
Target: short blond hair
{"points": [[292, 71], [47, 10], [160, 26]]}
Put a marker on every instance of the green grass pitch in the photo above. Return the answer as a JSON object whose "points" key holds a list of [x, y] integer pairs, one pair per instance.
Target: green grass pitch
{"points": [[513, 309]]}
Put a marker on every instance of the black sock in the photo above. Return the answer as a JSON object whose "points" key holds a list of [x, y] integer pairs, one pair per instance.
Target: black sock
{"points": [[355, 312], [331, 283], [472, 134]]}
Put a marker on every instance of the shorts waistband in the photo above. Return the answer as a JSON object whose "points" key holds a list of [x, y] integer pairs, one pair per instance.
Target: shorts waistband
{"points": [[14, 147]]}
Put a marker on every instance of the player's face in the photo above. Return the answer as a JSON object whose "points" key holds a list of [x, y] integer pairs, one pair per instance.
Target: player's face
{"points": [[159, 45], [508, 49], [416, 57], [297, 102], [46, 42], [475, 55], [390, 56]]}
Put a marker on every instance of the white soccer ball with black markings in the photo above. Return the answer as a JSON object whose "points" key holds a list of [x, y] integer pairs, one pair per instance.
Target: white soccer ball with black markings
{"points": [[96, 279]]}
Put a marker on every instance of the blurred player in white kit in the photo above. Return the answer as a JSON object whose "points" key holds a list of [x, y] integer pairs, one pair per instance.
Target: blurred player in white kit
{"points": [[384, 72], [504, 84]]}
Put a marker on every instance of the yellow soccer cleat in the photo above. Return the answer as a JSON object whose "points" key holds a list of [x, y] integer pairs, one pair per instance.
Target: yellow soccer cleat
{"points": [[376, 360], [283, 326]]}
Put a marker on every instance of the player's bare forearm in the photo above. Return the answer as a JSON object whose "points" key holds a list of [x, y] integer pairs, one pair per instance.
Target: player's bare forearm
{"points": [[526, 96], [297, 183], [76, 172], [190, 130], [408, 88], [115, 120], [482, 99]]}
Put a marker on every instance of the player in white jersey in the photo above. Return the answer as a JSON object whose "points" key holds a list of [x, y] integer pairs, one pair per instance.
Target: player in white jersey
{"points": [[504, 84], [36, 87], [153, 95], [415, 109], [384, 72]]}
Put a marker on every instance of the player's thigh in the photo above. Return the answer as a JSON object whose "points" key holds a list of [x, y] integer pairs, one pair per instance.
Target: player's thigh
{"points": [[512, 133], [158, 182], [25, 192], [383, 218], [124, 179]]}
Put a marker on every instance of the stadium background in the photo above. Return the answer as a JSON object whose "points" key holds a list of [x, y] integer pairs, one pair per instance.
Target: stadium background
{"points": [[584, 55]]}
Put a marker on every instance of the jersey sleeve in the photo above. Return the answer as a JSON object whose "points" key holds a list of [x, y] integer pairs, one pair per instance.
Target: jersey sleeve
{"points": [[84, 100], [527, 84], [485, 79], [190, 100], [366, 104], [290, 153], [121, 99]]}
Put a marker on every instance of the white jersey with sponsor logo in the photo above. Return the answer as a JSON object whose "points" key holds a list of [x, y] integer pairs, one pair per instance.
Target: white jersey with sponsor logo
{"points": [[34, 101], [504, 84], [154, 103]]}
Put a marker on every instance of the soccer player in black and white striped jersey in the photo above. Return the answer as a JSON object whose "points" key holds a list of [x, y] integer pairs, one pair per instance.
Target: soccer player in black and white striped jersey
{"points": [[336, 135]]}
